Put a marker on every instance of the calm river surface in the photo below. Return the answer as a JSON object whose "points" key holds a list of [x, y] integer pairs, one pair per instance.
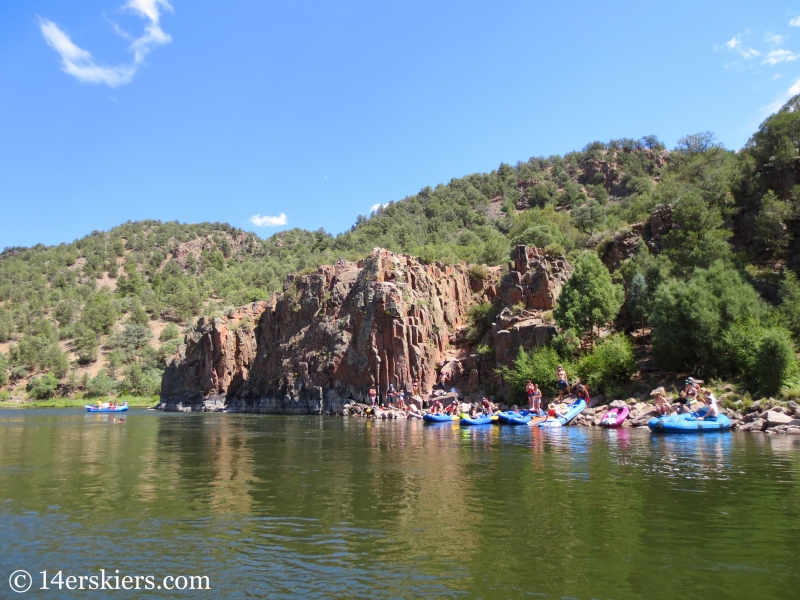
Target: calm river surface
{"points": [[323, 507]]}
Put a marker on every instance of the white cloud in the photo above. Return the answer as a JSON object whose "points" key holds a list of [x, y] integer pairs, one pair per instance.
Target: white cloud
{"points": [[779, 56], [781, 100], [79, 62], [266, 221], [795, 22], [774, 38], [377, 207], [735, 45]]}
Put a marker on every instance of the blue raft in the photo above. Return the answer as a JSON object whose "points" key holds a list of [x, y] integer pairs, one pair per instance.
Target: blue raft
{"points": [[689, 423], [482, 420], [438, 418], [96, 409], [520, 419], [573, 411]]}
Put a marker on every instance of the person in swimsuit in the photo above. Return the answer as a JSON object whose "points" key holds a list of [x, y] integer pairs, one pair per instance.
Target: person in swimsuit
{"points": [[692, 390], [529, 393], [563, 384], [663, 407], [373, 396], [444, 379]]}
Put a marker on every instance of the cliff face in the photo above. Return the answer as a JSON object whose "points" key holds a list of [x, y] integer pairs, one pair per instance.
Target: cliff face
{"points": [[336, 332]]}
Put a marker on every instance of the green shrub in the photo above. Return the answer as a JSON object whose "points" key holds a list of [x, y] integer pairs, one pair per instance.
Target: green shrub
{"points": [[539, 365], [5, 396], [690, 319], [773, 361], [566, 344], [478, 273], [480, 317], [3, 370], [609, 364], [42, 387], [101, 385]]}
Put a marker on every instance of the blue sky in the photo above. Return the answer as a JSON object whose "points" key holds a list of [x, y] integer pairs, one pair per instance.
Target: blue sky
{"points": [[116, 110]]}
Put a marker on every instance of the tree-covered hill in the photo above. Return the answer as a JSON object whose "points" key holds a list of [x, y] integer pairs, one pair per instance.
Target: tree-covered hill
{"points": [[99, 315]]}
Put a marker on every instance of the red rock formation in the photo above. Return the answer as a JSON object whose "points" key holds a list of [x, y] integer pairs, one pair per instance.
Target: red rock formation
{"points": [[329, 337], [336, 332]]}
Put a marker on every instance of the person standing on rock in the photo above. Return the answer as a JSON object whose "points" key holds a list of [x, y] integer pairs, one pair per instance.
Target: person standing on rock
{"points": [[373, 396], [563, 384], [390, 394], [444, 379], [415, 387]]}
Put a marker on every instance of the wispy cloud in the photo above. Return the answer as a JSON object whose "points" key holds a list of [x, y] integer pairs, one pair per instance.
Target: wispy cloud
{"points": [[267, 221], [795, 22], [781, 100], [79, 62], [735, 45], [779, 56], [377, 207], [775, 38]]}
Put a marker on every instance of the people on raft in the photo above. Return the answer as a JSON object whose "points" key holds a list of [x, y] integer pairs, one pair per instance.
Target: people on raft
{"points": [[563, 383], [711, 402], [663, 407], [692, 390], [452, 408], [486, 407], [436, 408], [683, 404]]}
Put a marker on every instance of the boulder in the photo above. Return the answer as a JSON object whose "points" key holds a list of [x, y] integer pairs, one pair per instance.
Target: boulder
{"points": [[774, 417], [757, 425]]}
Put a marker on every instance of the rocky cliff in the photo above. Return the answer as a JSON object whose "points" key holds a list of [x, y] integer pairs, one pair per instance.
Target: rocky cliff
{"points": [[334, 333]]}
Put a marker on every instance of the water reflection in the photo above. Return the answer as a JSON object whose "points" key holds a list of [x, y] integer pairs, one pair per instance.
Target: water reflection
{"points": [[349, 508]]}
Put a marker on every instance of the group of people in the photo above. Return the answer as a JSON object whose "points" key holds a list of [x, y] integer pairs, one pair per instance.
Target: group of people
{"points": [[691, 393], [395, 398]]}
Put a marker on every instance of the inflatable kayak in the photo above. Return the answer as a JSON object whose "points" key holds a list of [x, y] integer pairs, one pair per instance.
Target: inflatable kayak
{"points": [[615, 417], [439, 418], [536, 420], [549, 422], [573, 411], [482, 420], [689, 423], [520, 419], [503, 417], [107, 409]]}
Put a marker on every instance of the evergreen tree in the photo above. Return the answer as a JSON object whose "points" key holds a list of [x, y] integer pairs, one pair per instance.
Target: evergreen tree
{"points": [[589, 299]]}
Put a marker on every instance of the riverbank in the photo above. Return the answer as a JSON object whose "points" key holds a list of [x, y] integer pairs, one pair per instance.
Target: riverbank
{"points": [[133, 402]]}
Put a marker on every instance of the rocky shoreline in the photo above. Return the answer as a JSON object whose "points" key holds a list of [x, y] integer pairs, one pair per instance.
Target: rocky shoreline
{"points": [[764, 416]]}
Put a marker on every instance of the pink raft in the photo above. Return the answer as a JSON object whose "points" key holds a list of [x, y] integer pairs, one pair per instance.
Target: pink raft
{"points": [[615, 417]]}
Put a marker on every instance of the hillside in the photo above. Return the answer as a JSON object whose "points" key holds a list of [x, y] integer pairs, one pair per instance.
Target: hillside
{"points": [[101, 314]]}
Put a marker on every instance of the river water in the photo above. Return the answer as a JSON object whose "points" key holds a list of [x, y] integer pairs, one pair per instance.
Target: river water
{"points": [[324, 507]]}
